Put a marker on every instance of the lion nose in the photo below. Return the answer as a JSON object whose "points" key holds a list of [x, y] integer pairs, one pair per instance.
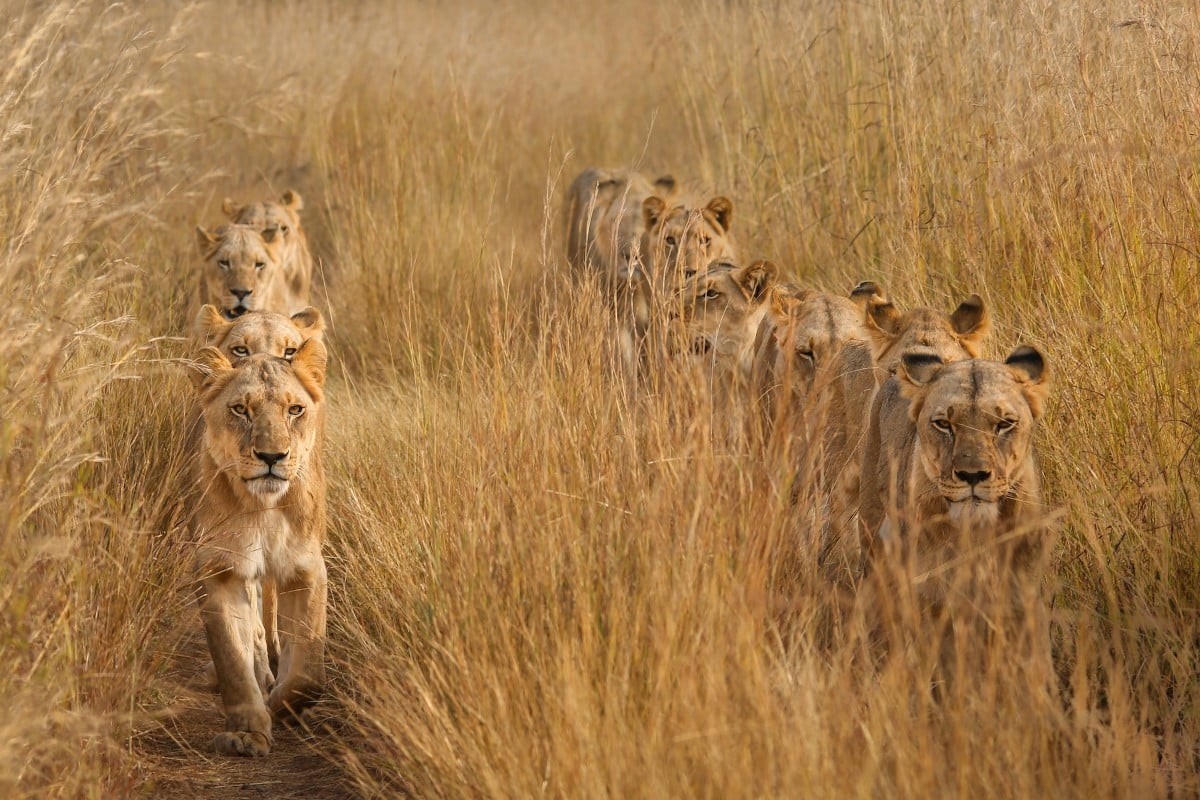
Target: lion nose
{"points": [[973, 478], [240, 294], [270, 459]]}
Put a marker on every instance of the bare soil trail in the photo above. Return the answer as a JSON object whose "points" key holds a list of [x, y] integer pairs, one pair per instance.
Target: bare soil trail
{"points": [[179, 762]]}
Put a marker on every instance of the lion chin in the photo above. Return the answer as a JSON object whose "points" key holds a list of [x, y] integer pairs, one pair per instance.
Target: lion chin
{"points": [[267, 486], [974, 512]]}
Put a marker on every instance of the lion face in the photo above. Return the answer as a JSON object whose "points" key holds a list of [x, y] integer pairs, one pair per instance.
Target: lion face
{"points": [[681, 241], [718, 310], [241, 266], [957, 336], [283, 216], [262, 417], [258, 332], [811, 329], [975, 421]]}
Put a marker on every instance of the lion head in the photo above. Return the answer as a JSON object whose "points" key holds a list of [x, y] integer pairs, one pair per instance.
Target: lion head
{"points": [[282, 217], [719, 309], [811, 329], [262, 419], [257, 332], [242, 269], [680, 240], [975, 421], [952, 337]]}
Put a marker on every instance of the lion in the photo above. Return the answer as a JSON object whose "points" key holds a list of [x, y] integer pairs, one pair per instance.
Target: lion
{"points": [[963, 545], [256, 332], [284, 217], [886, 447], [243, 272], [261, 516]]}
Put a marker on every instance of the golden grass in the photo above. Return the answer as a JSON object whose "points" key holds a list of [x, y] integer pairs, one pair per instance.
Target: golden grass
{"points": [[540, 585]]}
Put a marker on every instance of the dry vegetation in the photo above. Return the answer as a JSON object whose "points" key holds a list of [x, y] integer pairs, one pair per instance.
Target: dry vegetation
{"points": [[539, 585]]}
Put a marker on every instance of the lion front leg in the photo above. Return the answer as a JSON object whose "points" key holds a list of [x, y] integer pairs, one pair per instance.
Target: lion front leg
{"points": [[233, 627], [302, 600]]}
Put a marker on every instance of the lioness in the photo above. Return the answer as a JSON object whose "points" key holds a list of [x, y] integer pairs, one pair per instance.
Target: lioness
{"points": [[283, 216], [254, 333], [887, 446], [258, 332], [242, 271], [261, 516]]}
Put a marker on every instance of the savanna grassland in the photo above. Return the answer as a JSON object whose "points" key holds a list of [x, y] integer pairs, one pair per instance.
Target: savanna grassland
{"points": [[540, 584]]}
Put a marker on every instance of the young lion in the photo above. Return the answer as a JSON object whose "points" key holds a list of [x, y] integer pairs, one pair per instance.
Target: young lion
{"points": [[261, 516], [258, 332], [242, 271], [887, 446], [284, 217]]}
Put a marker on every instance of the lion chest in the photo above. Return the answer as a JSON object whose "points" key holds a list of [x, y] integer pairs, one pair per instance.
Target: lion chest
{"points": [[258, 544]]}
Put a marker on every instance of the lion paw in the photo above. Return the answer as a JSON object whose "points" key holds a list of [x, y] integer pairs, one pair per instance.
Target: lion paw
{"points": [[288, 701], [242, 743]]}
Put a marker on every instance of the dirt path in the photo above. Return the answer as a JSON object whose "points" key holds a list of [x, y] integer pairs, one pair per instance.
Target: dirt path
{"points": [[179, 761]]}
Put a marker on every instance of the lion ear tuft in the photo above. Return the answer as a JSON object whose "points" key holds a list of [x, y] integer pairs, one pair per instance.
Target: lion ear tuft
{"points": [[970, 321], [309, 366], [211, 324], [652, 211], [722, 210], [209, 368], [757, 279], [292, 199], [1030, 369], [231, 209], [309, 321]]}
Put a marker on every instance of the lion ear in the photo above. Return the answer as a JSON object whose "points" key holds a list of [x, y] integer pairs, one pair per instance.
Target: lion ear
{"points": [[1029, 368], [209, 369], [652, 211], [757, 279], [211, 324], [865, 292], [915, 372], [269, 234], [206, 239], [971, 322], [883, 322], [309, 366], [665, 185], [231, 209], [722, 210], [309, 321], [292, 199]]}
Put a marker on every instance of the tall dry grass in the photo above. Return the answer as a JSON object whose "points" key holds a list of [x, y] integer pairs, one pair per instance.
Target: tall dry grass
{"points": [[540, 584]]}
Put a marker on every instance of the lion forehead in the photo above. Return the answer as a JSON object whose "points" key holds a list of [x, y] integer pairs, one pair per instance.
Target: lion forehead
{"points": [[977, 388], [264, 380], [239, 242]]}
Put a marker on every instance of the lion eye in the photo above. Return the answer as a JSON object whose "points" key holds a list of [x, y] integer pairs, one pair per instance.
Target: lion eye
{"points": [[712, 294], [1005, 425], [259, 264], [807, 355], [943, 425], [704, 241], [289, 352], [296, 410], [687, 273], [283, 228], [223, 263], [671, 241], [239, 410], [241, 352]]}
